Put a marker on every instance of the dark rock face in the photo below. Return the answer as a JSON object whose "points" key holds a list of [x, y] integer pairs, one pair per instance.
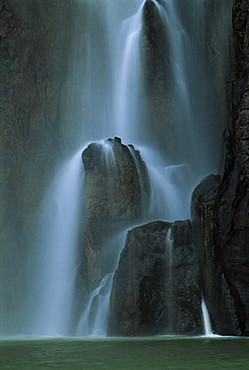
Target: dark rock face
{"points": [[116, 187], [34, 55], [156, 64], [42, 44], [218, 44], [156, 287], [218, 297], [220, 211]]}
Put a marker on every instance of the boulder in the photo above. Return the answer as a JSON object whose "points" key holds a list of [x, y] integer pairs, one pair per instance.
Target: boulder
{"points": [[116, 193], [156, 288]]}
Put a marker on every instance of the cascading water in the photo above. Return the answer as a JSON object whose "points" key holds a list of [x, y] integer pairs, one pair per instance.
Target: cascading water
{"points": [[206, 319], [169, 253], [170, 188], [113, 99], [191, 107], [94, 320], [128, 87], [57, 236]]}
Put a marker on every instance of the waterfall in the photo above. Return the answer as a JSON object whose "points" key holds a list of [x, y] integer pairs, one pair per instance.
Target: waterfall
{"points": [[95, 316], [57, 237], [170, 284], [128, 87], [206, 319], [114, 77], [114, 97], [197, 136], [111, 97], [170, 188], [170, 245]]}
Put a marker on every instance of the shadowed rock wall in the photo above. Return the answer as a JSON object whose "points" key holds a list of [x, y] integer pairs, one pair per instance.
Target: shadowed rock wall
{"points": [[156, 288], [220, 208], [155, 60], [36, 40]]}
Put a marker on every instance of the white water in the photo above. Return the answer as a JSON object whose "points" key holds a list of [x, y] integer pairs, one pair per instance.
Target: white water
{"points": [[112, 105], [197, 137], [112, 83], [169, 254], [206, 319], [128, 86], [170, 245], [114, 93], [52, 293], [94, 319], [109, 156]]}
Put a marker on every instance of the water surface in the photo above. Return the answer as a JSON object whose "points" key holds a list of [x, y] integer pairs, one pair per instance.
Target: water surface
{"points": [[126, 353]]}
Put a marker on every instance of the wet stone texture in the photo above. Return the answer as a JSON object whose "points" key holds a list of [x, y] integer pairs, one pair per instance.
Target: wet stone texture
{"points": [[220, 209], [35, 50], [155, 51], [116, 191], [156, 288]]}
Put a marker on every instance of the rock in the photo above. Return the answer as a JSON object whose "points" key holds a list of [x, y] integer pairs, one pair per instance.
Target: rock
{"points": [[116, 191], [33, 65], [156, 66], [43, 43], [220, 211], [156, 290], [218, 298]]}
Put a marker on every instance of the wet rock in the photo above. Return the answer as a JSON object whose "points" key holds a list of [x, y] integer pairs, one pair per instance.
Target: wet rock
{"points": [[116, 193], [156, 286], [220, 210], [33, 64], [155, 51], [218, 297]]}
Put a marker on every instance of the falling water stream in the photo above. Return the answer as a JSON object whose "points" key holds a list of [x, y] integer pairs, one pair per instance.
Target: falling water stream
{"points": [[169, 252], [98, 308], [113, 105], [56, 241], [206, 318]]}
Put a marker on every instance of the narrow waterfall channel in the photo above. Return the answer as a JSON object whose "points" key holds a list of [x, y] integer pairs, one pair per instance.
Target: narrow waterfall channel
{"points": [[169, 253], [206, 318], [114, 96]]}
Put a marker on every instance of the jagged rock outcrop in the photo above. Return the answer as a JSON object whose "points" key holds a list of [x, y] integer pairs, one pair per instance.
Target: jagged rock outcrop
{"points": [[116, 193], [156, 286], [220, 210]]}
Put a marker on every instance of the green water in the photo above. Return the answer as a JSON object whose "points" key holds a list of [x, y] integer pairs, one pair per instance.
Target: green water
{"points": [[133, 353]]}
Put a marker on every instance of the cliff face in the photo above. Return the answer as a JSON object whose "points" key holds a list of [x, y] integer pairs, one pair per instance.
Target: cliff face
{"points": [[220, 210], [35, 48]]}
